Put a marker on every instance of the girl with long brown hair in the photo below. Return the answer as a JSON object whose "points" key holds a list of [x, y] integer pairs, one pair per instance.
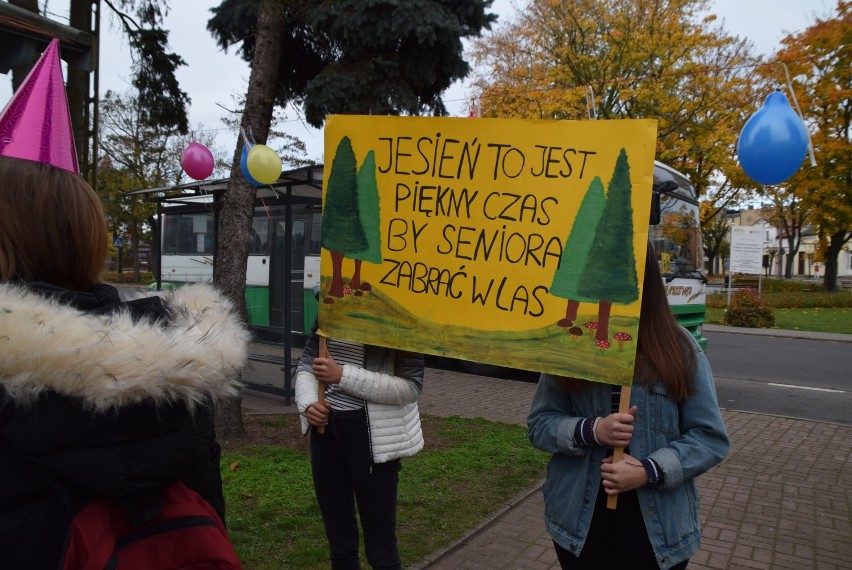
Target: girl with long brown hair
{"points": [[672, 433]]}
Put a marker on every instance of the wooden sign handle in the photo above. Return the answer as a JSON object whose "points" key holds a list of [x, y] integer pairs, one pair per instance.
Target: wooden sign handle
{"points": [[618, 452], [323, 352]]}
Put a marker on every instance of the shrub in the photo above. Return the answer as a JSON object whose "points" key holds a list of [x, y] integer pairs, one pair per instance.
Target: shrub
{"points": [[806, 300], [145, 277], [748, 310], [790, 300], [789, 285]]}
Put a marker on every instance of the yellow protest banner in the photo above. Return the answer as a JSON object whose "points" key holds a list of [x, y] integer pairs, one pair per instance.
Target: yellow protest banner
{"points": [[510, 242]]}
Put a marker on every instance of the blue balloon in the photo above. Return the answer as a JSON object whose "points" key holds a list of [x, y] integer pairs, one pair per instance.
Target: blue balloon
{"points": [[773, 143], [244, 166]]}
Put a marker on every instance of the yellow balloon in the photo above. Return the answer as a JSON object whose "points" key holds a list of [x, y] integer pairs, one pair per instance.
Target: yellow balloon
{"points": [[263, 164]]}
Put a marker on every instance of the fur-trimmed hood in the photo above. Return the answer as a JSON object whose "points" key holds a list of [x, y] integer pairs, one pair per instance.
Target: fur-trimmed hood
{"points": [[110, 361]]}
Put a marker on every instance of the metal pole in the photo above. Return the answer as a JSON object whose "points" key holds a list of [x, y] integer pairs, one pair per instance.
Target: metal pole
{"points": [[730, 282], [159, 242], [288, 301]]}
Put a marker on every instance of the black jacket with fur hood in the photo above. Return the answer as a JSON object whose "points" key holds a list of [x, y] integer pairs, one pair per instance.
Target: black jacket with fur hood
{"points": [[101, 397]]}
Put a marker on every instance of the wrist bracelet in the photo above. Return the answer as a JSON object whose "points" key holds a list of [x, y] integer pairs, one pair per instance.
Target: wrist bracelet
{"points": [[595, 430], [651, 470]]}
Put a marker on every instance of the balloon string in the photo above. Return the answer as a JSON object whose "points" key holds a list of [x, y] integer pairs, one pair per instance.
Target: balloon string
{"points": [[590, 102], [799, 110], [268, 215], [246, 141]]}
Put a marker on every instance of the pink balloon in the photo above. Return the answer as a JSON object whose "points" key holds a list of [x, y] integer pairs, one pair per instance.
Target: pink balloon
{"points": [[197, 161]]}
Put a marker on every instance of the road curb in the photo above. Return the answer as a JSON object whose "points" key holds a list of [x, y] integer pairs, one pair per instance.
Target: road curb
{"points": [[780, 333], [437, 555]]}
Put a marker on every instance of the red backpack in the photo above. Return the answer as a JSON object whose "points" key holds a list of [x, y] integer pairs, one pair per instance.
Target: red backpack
{"points": [[187, 534]]}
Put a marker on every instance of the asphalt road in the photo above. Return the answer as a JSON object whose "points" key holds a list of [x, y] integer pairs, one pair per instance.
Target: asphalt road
{"points": [[793, 377]]}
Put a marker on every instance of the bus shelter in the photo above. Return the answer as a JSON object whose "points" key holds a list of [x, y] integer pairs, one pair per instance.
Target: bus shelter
{"points": [[283, 259]]}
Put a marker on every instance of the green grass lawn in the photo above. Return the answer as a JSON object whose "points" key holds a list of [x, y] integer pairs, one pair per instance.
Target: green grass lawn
{"points": [[833, 320], [467, 470]]}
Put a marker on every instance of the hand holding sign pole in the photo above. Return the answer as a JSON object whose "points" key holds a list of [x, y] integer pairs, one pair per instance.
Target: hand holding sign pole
{"points": [[618, 452], [323, 353]]}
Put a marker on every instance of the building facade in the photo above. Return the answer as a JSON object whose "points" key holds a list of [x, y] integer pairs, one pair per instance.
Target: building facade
{"points": [[775, 248]]}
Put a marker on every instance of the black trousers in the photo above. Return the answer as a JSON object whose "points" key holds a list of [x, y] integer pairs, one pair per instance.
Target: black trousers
{"points": [[344, 474], [617, 539]]}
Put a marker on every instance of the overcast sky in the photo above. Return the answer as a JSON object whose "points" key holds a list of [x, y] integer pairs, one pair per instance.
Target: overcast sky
{"points": [[212, 76]]}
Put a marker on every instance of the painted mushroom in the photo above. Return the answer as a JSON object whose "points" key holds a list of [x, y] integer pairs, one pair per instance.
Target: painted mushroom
{"points": [[622, 337], [576, 332], [602, 344], [591, 325]]}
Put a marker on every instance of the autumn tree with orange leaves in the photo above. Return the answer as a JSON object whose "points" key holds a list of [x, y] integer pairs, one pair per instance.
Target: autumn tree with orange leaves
{"points": [[819, 60], [665, 60]]}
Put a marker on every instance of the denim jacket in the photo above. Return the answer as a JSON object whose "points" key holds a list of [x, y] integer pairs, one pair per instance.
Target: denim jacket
{"points": [[684, 438]]}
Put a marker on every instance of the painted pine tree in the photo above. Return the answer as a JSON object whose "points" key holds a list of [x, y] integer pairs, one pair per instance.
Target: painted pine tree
{"points": [[610, 274], [575, 254], [342, 232], [370, 212]]}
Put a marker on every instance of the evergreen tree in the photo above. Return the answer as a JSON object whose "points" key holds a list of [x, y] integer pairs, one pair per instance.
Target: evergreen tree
{"points": [[610, 274], [154, 66], [370, 211], [356, 57], [575, 254], [341, 220]]}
